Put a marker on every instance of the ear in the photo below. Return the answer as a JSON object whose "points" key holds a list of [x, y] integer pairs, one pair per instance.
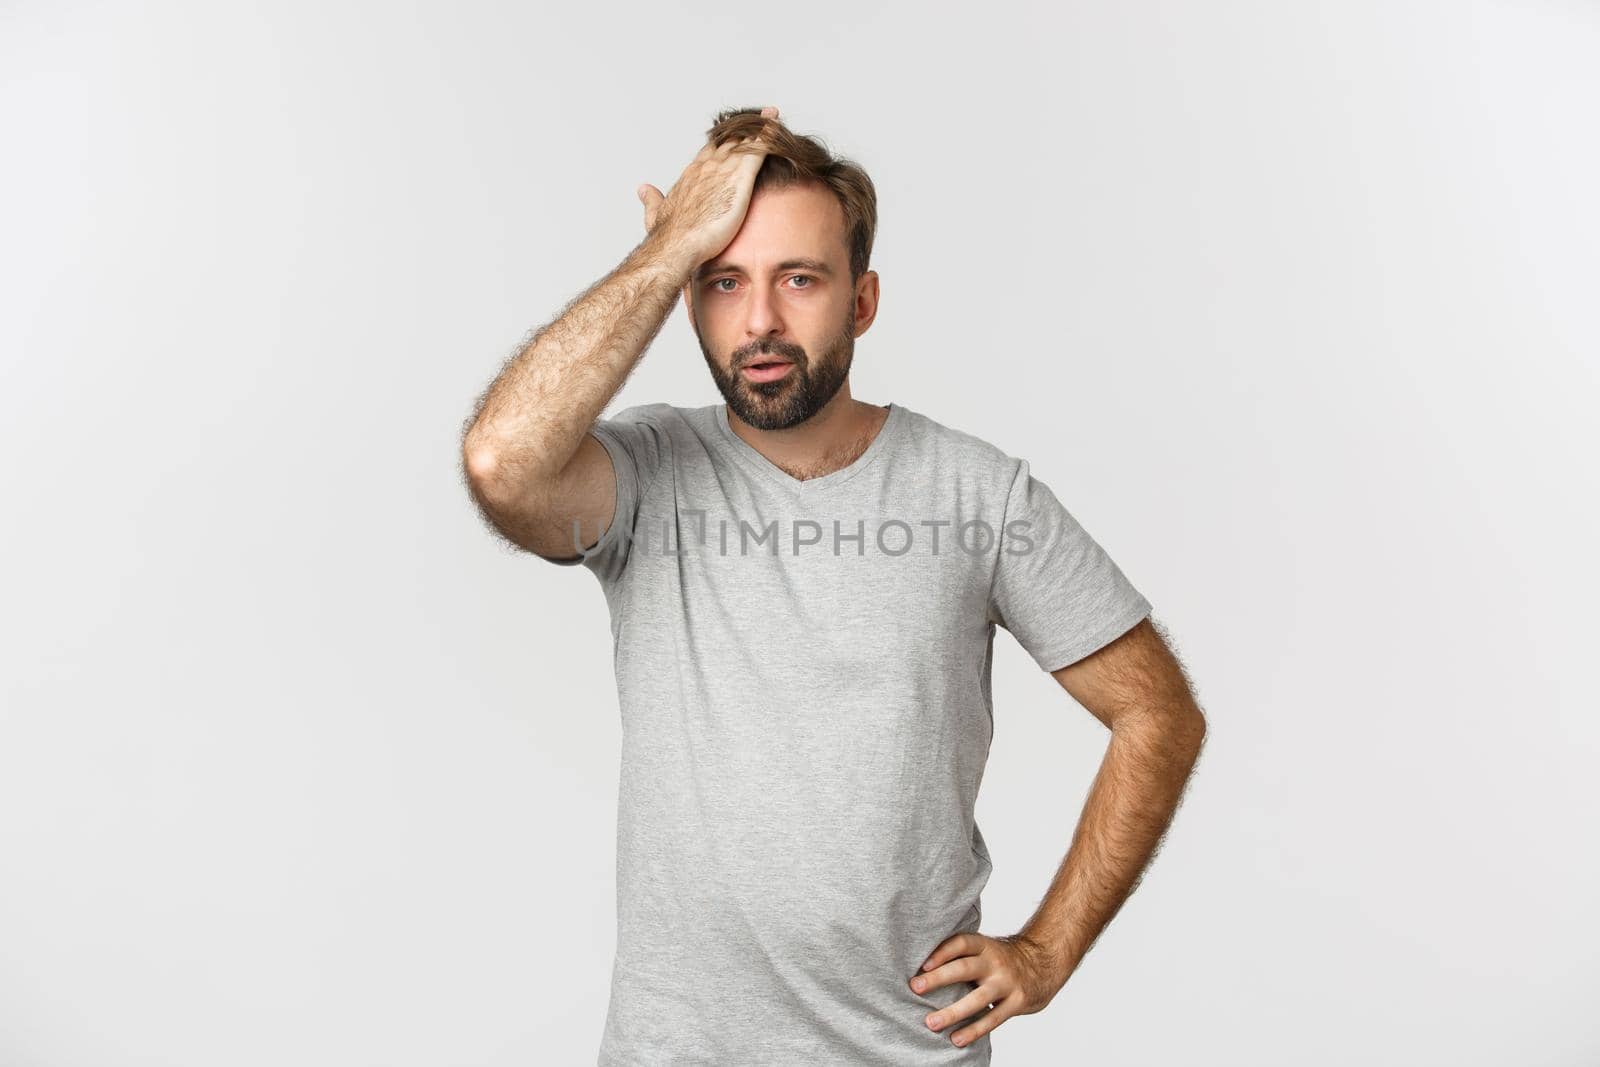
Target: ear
{"points": [[866, 301]]}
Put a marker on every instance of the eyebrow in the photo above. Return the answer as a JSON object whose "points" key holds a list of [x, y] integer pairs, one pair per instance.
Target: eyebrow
{"points": [[801, 263]]}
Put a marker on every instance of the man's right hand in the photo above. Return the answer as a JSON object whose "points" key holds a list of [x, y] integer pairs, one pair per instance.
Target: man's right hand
{"points": [[703, 212], [531, 463]]}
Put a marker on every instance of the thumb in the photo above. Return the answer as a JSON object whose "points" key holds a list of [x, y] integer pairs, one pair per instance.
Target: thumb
{"points": [[651, 198]]}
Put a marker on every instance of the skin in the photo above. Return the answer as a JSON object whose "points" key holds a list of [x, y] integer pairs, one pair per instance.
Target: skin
{"points": [[536, 473], [782, 289], [539, 476], [1138, 690]]}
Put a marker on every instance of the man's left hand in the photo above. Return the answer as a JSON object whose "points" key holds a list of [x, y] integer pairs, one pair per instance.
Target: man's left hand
{"points": [[1015, 975]]}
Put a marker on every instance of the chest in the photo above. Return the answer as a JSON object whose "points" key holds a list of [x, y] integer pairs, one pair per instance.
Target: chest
{"points": [[850, 580]]}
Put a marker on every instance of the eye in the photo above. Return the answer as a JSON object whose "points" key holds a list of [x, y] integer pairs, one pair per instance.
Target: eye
{"points": [[716, 286]]}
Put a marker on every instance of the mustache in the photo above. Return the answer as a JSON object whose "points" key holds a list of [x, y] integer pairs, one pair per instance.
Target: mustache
{"points": [[768, 354]]}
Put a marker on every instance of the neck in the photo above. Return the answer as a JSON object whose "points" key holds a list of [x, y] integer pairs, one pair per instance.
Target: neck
{"points": [[830, 440]]}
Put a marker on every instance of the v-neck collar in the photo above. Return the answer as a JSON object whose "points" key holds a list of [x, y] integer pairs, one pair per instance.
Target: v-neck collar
{"points": [[765, 468]]}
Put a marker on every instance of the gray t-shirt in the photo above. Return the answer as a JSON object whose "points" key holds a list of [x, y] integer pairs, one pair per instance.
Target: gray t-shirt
{"points": [[803, 671]]}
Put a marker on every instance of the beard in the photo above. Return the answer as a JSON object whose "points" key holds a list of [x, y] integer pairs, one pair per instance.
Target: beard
{"points": [[795, 397]]}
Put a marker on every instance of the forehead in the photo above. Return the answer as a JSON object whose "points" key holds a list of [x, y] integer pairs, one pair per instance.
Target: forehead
{"points": [[802, 221]]}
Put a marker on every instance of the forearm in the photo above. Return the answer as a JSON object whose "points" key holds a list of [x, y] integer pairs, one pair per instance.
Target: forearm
{"points": [[1129, 808], [533, 417]]}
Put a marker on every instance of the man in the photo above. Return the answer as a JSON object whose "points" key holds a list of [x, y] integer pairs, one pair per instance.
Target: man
{"points": [[803, 591]]}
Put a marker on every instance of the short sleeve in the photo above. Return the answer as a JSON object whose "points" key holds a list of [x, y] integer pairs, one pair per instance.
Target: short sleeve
{"points": [[1055, 589], [636, 441]]}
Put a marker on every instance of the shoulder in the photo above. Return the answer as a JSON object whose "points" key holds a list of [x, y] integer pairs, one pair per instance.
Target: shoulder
{"points": [[657, 421], [657, 414], [951, 447]]}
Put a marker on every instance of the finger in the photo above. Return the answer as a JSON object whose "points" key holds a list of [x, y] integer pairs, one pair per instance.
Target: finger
{"points": [[996, 1015], [752, 142], [959, 945], [962, 969], [965, 1008], [651, 198]]}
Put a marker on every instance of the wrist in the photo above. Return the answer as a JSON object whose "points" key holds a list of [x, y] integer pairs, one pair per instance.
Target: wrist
{"points": [[1053, 955], [664, 251]]}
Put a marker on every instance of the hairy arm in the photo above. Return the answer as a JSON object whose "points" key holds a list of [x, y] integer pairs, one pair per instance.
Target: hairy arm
{"points": [[1135, 686], [531, 465]]}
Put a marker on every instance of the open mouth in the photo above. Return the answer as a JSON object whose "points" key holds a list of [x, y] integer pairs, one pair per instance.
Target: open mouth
{"points": [[768, 370]]}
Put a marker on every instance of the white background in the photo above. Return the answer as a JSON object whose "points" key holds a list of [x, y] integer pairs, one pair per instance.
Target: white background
{"points": [[1293, 304]]}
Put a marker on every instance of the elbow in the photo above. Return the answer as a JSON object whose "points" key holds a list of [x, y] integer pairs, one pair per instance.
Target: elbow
{"points": [[480, 461], [487, 474], [1177, 728], [1191, 730], [500, 480]]}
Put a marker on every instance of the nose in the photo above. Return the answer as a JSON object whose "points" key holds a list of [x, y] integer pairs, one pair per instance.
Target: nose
{"points": [[762, 310]]}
